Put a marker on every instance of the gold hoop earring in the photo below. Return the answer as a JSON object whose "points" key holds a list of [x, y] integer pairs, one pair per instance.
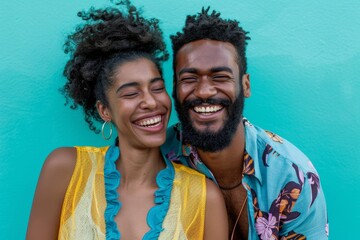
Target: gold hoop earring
{"points": [[110, 130]]}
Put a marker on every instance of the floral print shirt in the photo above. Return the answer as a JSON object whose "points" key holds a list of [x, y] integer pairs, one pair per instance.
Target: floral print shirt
{"points": [[284, 192]]}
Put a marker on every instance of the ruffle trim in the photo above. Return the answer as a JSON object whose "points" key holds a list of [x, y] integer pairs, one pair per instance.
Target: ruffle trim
{"points": [[156, 214], [112, 181]]}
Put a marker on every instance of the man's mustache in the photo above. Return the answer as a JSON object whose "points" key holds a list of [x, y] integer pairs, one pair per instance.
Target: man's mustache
{"points": [[187, 104]]}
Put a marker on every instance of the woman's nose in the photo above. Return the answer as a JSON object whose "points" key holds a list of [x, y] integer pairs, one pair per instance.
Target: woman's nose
{"points": [[148, 101]]}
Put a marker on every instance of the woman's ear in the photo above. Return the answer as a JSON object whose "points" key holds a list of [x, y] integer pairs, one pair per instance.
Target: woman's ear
{"points": [[246, 85], [103, 111]]}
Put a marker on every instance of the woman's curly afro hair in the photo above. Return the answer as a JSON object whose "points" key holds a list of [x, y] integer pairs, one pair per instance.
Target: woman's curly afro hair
{"points": [[108, 38], [207, 25]]}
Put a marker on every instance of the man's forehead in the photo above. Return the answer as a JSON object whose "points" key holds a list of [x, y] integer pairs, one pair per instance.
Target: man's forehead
{"points": [[209, 52], [204, 45]]}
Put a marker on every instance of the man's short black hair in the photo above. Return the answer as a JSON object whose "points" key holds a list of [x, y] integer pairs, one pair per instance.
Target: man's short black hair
{"points": [[211, 26]]}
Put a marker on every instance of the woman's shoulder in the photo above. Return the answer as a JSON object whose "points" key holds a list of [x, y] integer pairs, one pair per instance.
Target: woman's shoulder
{"points": [[61, 158], [186, 170], [59, 165], [213, 192]]}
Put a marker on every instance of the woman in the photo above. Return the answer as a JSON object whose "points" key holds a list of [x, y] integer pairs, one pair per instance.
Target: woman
{"points": [[129, 190]]}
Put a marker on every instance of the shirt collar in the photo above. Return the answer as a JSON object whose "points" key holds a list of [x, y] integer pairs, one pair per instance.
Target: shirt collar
{"points": [[251, 167], [251, 162]]}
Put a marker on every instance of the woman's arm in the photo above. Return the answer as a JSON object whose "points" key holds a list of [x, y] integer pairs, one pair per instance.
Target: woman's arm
{"points": [[216, 221], [50, 191]]}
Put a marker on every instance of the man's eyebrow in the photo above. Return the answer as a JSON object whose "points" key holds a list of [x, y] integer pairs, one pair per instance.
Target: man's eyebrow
{"points": [[212, 70], [135, 84], [221, 69], [188, 70]]}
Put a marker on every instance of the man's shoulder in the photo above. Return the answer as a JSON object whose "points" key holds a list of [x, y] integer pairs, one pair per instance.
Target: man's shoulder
{"points": [[283, 169], [273, 149]]}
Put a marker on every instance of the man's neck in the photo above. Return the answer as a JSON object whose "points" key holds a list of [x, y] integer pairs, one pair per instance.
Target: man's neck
{"points": [[227, 164]]}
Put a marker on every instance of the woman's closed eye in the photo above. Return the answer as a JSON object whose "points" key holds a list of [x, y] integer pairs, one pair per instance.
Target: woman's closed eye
{"points": [[129, 94], [158, 90], [158, 87]]}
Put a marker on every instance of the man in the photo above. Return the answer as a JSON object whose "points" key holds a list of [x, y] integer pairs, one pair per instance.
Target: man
{"points": [[271, 189]]}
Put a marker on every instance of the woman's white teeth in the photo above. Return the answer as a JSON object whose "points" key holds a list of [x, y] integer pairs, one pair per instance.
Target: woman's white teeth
{"points": [[208, 109], [151, 122]]}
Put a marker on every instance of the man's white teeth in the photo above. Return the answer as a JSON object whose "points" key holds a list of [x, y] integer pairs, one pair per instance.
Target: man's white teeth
{"points": [[150, 122], [208, 109]]}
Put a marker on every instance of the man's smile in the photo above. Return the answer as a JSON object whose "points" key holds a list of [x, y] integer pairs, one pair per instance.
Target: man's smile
{"points": [[207, 109]]}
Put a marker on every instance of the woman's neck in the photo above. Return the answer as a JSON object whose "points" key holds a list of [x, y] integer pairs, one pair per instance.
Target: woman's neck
{"points": [[139, 167]]}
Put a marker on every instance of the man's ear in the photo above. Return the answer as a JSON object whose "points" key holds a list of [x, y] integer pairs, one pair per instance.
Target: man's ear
{"points": [[103, 111], [246, 85]]}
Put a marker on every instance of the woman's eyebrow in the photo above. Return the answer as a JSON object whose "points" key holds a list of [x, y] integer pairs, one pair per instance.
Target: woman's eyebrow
{"points": [[156, 79], [135, 84], [126, 85]]}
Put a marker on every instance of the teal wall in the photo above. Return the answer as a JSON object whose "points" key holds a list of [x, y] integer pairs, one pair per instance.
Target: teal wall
{"points": [[304, 61]]}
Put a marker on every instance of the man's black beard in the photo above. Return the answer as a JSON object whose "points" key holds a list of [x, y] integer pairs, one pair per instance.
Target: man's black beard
{"points": [[210, 141]]}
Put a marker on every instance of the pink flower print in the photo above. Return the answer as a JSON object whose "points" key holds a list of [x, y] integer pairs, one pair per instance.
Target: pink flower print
{"points": [[264, 227]]}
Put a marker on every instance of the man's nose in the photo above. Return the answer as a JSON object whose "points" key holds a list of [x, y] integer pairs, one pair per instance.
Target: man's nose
{"points": [[205, 88]]}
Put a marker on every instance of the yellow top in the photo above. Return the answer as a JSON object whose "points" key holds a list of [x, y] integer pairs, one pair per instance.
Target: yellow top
{"points": [[84, 205]]}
